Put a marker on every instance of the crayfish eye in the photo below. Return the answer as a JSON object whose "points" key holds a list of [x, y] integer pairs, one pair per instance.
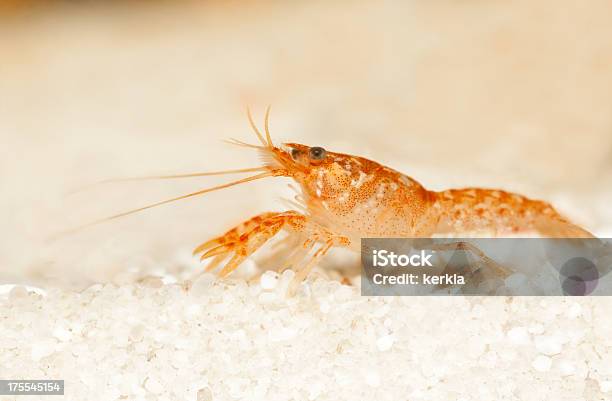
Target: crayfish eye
{"points": [[317, 153], [295, 153]]}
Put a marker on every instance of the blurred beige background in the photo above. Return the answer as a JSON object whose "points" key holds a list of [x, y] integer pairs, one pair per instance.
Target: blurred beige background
{"points": [[516, 95]]}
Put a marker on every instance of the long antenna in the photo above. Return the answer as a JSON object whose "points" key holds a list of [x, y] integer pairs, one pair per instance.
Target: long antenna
{"points": [[165, 177], [189, 175], [140, 209]]}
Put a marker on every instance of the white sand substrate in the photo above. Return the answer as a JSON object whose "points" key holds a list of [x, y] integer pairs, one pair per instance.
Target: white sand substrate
{"points": [[230, 340]]}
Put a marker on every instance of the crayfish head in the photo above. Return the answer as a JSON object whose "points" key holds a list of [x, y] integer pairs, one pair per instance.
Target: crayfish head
{"points": [[324, 175]]}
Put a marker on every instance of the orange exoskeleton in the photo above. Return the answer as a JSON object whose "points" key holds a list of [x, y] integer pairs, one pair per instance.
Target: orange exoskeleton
{"points": [[343, 198]]}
